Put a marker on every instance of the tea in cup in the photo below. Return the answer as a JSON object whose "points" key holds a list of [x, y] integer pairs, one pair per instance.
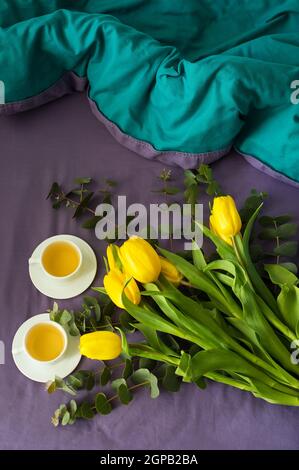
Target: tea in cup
{"points": [[45, 342], [60, 259]]}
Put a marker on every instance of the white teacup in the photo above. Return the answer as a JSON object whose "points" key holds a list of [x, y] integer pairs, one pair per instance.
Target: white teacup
{"points": [[44, 342], [59, 259]]}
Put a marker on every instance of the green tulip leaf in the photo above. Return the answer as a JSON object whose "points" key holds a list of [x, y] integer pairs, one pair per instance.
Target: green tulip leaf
{"points": [[153, 339], [184, 368], [288, 302], [280, 276], [271, 395], [124, 343], [198, 257]]}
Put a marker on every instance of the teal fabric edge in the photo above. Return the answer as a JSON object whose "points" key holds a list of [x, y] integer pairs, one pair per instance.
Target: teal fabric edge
{"points": [[71, 83]]}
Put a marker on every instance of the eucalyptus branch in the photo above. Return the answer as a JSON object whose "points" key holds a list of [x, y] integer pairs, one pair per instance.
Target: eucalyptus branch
{"points": [[80, 198]]}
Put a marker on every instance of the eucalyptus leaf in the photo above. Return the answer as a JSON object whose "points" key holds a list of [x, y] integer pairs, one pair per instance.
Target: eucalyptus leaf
{"points": [[282, 219], [144, 376], [75, 382], [128, 369], [146, 363], [290, 267], [86, 410], [91, 222], [102, 404], [171, 190], [286, 249], [266, 221], [287, 230], [83, 204], [121, 387], [84, 180], [66, 418], [73, 407], [54, 190], [105, 376], [170, 381], [124, 394]]}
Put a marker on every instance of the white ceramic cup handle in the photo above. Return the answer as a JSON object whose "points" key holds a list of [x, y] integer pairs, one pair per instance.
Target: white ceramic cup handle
{"points": [[34, 260]]}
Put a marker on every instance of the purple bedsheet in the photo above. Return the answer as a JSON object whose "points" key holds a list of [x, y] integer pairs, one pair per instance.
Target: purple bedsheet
{"points": [[61, 141]]}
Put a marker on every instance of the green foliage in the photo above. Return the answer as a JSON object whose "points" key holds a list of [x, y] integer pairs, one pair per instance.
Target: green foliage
{"points": [[224, 324], [193, 181], [94, 315], [145, 377], [122, 389], [167, 189], [79, 199], [139, 377], [277, 232], [102, 404], [65, 414], [105, 376], [255, 199]]}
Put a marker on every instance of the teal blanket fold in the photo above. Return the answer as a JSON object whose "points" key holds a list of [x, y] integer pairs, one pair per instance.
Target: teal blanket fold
{"points": [[177, 80]]}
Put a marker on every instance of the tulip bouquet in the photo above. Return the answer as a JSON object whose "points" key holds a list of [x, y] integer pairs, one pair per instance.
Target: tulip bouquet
{"points": [[218, 320]]}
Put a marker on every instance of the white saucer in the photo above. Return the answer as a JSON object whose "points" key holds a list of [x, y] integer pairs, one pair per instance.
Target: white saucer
{"points": [[44, 372], [67, 288]]}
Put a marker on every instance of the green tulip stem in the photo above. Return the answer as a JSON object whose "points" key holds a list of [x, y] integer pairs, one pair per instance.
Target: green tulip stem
{"points": [[186, 283]]}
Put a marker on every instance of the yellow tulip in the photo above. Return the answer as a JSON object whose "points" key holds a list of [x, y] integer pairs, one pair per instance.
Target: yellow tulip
{"points": [[100, 345], [140, 260], [112, 255], [170, 271], [225, 220], [114, 283]]}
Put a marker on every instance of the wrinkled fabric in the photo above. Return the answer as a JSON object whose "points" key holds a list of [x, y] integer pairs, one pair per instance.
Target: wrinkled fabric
{"points": [[185, 76]]}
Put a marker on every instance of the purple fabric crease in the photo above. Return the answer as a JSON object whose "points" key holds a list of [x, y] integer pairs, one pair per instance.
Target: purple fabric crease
{"points": [[71, 83], [58, 143]]}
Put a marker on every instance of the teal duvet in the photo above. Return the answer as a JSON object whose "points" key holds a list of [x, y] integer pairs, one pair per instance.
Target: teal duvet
{"points": [[181, 79]]}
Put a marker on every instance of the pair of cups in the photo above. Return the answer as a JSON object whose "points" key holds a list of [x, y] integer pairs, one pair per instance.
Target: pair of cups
{"points": [[46, 342]]}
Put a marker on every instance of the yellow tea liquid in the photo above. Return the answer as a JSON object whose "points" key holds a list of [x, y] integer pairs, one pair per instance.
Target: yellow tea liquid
{"points": [[44, 342], [60, 259]]}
